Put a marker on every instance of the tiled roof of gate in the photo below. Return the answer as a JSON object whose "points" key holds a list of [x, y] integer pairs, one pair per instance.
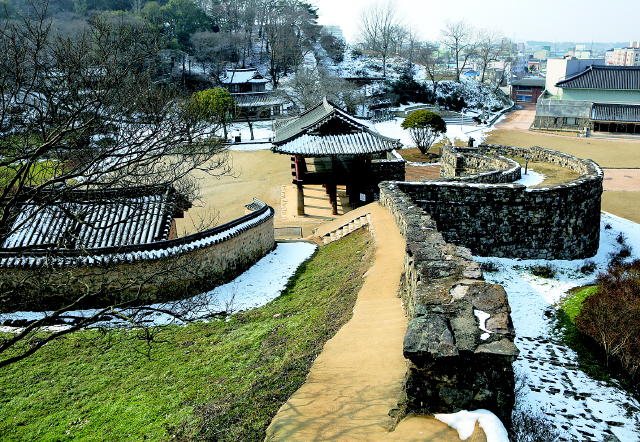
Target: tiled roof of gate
{"points": [[627, 113], [90, 219], [300, 136], [259, 99], [604, 77]]}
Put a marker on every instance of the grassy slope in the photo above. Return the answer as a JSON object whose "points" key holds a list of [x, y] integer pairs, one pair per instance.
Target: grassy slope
{"points": [[211, 381], [589, 354]]}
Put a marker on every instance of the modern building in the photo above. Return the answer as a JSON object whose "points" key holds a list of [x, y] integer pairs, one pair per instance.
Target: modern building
{"points": [[527, 90], [629, 56], [560, 68], [542, 54], [335, 31]]}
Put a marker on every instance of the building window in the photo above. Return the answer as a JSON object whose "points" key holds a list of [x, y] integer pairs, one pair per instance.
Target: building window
{"points": [[570, 121], [524, 98], [525, 88]]}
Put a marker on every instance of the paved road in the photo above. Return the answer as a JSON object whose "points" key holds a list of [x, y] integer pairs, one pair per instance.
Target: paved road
{"points": [[519, 120]]}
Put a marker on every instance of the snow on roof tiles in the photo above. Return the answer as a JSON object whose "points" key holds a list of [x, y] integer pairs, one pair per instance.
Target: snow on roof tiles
{"points": [[300, 136]]}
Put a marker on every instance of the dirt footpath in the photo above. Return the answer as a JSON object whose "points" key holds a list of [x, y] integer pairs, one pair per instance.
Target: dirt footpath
{"points": [[357, 378]]}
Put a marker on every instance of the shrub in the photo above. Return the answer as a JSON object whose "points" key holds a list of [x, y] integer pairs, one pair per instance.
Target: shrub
{"points": [[544, 270], [489, 266], [611, 316], [588, 267], [406, 89], [424, 127], [334, 47], [617, 258], [453, 101], [528, 426]]}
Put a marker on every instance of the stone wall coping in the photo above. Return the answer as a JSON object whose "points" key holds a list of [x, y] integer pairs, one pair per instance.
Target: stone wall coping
{"points": [[591, 171], [138, 252], [395, 158]]}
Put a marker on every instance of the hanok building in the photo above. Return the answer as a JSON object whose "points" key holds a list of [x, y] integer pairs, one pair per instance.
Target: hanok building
{"points": [[248, 88], [599, 98], [328, 146], [85, 220]]}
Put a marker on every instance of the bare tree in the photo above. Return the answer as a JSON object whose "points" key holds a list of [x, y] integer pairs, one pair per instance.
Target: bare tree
{"points": [[489, 48], [309, 86], [460, 38], [413, 38], [380, 26], [291, 31], [86, 112], [430, 58]]}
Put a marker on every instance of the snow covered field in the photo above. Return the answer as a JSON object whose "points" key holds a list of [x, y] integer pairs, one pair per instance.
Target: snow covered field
{"points": [[263, 132], [582, 407]]}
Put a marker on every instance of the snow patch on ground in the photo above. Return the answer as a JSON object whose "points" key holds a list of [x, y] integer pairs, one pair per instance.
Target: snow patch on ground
{"points": [[259, 285], [394, 129], [464, 422], [531, 178], [585, 409]]}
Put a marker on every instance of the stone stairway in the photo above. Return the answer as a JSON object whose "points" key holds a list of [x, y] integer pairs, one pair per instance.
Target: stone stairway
{"points": [[347, 228]]}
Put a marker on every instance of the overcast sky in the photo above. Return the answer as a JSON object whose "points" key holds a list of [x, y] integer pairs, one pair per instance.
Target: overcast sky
{"points": [[548, 20]]}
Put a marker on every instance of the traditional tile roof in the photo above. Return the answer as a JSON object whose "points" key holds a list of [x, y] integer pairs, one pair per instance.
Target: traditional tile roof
{"points": [[258, 99], [305, 135], [625, 113], [89, 219], [604, 77], [138, 252], [238, 76]]}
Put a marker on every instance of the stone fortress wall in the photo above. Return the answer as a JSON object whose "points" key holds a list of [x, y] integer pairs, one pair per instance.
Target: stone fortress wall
{"points": [[217, 254], [454, 365], [476, 207], [459, 340]]}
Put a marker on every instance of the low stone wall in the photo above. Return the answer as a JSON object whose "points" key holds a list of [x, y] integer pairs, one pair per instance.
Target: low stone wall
{"points": [[206, 259], [454, 364], [560, 123], [467, 164], [511, 220]]}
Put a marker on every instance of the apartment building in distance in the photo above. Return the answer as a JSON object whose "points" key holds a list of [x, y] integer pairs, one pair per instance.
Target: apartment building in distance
{"points": [[629, 56]]}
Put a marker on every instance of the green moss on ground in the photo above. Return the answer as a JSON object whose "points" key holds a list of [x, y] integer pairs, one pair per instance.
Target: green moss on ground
{"points": [[590, 356]]}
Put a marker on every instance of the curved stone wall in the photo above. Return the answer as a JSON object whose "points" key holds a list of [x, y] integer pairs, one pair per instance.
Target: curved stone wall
{"points": [[211, 257], [465, 164], [511, 220]]}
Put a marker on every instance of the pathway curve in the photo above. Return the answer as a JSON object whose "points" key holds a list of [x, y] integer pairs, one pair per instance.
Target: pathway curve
{"points": [[357, 379]]}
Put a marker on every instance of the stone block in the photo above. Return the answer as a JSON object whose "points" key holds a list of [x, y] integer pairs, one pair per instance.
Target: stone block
{"points": [[427, 338]]}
